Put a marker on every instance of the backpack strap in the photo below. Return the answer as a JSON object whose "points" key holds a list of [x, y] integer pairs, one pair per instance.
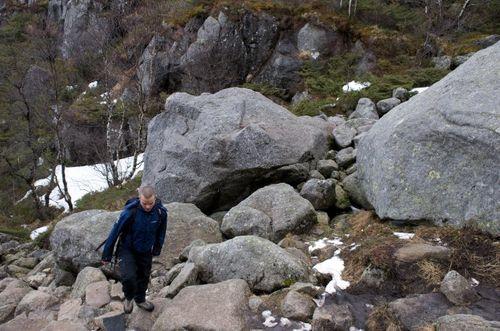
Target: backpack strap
{"points": [[126, 230]]}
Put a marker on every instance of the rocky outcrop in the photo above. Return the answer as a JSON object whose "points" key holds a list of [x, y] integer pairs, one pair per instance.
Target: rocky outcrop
{"points": [[186, 223], [436, 156], [262, 264], [215, 149], [272, 211], [75, 238], [86, 30], [221, 306]]}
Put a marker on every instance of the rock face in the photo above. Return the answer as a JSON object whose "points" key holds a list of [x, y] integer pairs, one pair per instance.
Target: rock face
{"points": [[465, 322], [221, 306], [76, 237], [85, 30], [264, 265], [214, 149], [186, 223], [405, 163], [275, 208]]}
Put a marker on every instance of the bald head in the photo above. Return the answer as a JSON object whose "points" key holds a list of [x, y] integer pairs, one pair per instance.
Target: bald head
{"points": [[146, 191]]}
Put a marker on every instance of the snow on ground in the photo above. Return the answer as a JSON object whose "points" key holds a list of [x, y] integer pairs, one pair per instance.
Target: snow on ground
{"points": [[93, 84], [354, 86], [35, 233], [474, 282], [419, 89], [333, 266], [322, 243], [404, 235], [270, 319], [85, 179]]}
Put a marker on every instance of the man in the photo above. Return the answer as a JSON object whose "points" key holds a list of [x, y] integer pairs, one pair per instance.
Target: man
{"points": [[141, 228]]}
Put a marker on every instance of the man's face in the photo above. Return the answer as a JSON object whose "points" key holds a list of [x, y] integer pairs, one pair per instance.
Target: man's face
{"points": [[147, 203]]}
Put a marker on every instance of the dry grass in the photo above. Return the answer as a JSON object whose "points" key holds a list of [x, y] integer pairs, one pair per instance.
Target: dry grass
{"points": [[474, 253], [382, 319], [377, 245], [431, 271]]}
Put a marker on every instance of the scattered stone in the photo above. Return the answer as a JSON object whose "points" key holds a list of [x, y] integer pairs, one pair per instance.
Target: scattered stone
{"points": [[246, 220], [457, 289], [112, 321], [26, 262], [298, 306], [116, 292], [65, 326], [465, 322], [288, 211], [69, 310], [97, 294], [442, 62], [372, 277], [141, 320], [341, 198], [222, 306], [332, 317], [35, 301], [307, 288], [384, 106], [316, 174], [23, 322], [186, 223], [365, 109], [401, 93], [321, 193], [87, 276], [343, 135], [346, 157], [413, 252], [173, 272], [9, 299], [356, 195], [263, 264], [419, 310], [188, 276], [325, 167]]}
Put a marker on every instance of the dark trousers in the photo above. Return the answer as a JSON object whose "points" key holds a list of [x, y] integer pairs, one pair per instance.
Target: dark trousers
{"points": [[135, 269]]}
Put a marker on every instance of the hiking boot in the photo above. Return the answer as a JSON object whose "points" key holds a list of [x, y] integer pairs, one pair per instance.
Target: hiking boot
{"points": [[146, 305], [128, 305]]}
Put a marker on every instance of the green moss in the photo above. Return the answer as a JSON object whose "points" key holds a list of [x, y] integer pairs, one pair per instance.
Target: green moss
{"points": [[289, 282]]}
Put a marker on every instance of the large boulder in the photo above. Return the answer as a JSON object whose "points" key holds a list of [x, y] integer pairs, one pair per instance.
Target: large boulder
{"points": [[221, 306], [75, 238], [86, 30], [436, 156], [186, 223], [277, 208], [264, 265], [215, 149], [225, 52]]}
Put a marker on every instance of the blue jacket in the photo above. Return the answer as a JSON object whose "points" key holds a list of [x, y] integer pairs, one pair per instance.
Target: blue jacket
{"points": [[147, 233]]}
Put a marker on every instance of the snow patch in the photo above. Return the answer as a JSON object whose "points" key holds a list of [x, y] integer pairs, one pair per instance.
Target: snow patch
{"points": [[354, 86], [315, 55], [334, 267], [93, 84], [304, 327], [322, 243], [35, 233], [419, 89], [270, 320], [404, 235], [85, 179], [474, 282]]}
